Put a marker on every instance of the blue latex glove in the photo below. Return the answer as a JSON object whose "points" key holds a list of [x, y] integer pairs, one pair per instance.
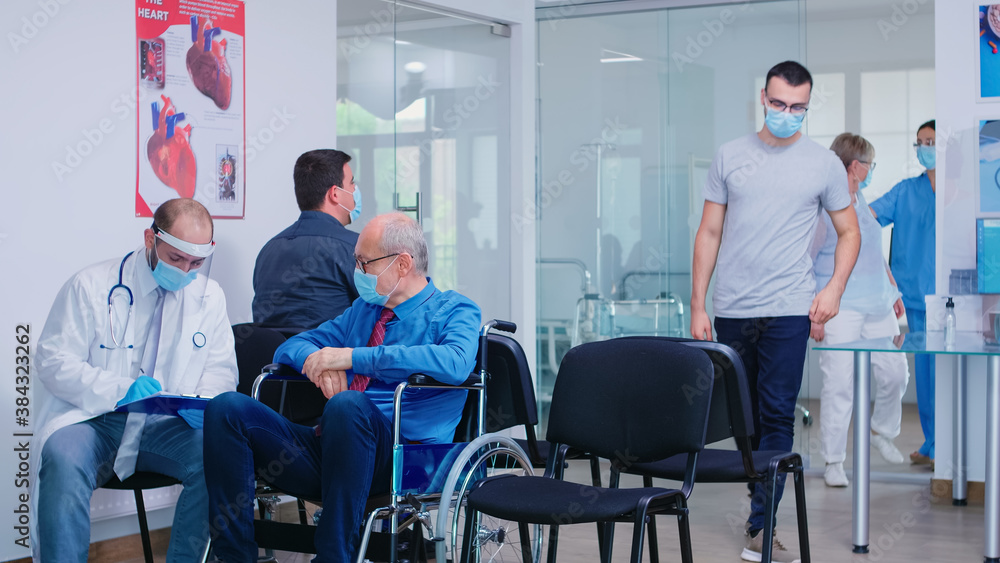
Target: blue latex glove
{"points": [[194, 417], [143, 386]]}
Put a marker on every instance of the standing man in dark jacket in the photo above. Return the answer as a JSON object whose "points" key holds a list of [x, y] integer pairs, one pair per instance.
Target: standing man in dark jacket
{"points": [[304, 276]]}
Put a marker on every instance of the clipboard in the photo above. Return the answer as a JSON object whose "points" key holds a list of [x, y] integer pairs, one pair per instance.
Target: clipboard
{"points": [[164, 403]]}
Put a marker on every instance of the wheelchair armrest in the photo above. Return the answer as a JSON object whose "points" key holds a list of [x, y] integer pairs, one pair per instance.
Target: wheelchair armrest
{"points": [[421, 380], [275, 372]]}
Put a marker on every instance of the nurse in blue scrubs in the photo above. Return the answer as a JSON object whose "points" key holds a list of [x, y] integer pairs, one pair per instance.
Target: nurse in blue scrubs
{"points": [[910, 205]]}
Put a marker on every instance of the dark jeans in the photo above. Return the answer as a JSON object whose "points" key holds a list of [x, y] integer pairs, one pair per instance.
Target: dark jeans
{"points": [[773, 350], [351, 460]]}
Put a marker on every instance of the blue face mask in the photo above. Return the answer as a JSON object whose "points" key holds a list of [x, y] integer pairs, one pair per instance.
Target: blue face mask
{"points": [[367, 286], [926, 156], [783, 124], [356, 212], [172, 278], [868, 179]]}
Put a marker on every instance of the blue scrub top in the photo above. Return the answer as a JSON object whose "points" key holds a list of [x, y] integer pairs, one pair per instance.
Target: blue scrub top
{"points": [[910, 206]]}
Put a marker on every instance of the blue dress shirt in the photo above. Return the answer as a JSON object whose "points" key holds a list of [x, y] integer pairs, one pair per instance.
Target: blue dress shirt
{"points": [[304, 276], [434, 333], [910, 205]]}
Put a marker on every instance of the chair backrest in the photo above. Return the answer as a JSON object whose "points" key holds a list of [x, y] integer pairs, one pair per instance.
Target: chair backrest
{"points": [[731, 414], [510, 395], [255, 348], [632, 400]]}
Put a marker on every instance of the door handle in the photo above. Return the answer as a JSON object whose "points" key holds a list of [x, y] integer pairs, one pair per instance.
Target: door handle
{"points": [[415, 208]]}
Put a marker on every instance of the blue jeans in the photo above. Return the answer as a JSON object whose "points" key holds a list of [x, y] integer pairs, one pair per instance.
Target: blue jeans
{"points": [[923, 367], [79, 458], [773, 350], [350, 461]]}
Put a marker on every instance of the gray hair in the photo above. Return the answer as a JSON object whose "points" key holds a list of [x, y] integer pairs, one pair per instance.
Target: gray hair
{"points": [[402, 234], [850, 147]]}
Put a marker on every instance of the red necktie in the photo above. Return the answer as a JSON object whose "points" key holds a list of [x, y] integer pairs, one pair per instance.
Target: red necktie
{"points": [[360, 382]]}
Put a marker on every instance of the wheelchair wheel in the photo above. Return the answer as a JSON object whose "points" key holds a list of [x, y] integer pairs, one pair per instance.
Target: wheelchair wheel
{"points": [[494, 539]]}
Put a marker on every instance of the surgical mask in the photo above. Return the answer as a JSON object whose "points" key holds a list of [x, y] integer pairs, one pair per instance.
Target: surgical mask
{"points": [[783, 124], [926, 156], [356, 212], [172, 278], [868, 180], [367, 284]]}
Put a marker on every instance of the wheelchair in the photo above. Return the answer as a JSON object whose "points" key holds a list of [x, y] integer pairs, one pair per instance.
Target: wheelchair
{"points": [[429, 482]]}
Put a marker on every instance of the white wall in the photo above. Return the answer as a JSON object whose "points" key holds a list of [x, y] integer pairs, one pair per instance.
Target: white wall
{"points": [[75, 71]]}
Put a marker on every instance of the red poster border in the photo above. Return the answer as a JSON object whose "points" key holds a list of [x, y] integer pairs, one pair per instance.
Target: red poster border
{"points": [[237, 25]]}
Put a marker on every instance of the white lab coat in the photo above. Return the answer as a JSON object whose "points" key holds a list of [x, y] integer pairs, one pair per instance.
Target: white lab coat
{"points": [[82, 380]]}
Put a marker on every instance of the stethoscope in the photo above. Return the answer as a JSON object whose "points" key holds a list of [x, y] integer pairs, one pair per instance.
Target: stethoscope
{"points": [[111, 309], [198, 339]]}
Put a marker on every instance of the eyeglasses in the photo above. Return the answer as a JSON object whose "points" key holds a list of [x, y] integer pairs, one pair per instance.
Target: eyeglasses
{"points": [[361, 265], [779, 105], [927, 143], [871, 164]]}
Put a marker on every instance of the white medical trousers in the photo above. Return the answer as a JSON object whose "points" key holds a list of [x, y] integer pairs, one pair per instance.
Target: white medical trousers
{"points": [[890, 373]]}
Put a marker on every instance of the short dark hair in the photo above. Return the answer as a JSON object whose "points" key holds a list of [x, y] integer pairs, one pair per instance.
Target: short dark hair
{"points": [[792, 73], [169, 211], [926, 125], [315, 172]]}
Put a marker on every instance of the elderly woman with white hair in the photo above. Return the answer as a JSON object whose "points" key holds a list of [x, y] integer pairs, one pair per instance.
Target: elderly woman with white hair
{"points": [[870, 308]]}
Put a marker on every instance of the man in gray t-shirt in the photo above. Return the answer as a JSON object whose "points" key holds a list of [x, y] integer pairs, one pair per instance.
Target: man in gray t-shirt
{"points": [[763, 197]]}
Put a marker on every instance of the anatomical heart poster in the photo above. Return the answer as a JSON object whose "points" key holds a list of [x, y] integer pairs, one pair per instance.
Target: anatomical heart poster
{"points": [[191, 125]]}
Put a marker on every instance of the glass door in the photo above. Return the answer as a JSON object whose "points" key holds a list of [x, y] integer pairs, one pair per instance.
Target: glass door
{"points": [[423, 99], [632, 107]]}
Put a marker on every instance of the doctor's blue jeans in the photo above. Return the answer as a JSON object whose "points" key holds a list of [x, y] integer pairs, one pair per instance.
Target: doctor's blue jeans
{"points": [[773, 350], [348, 462], [79, 458]]}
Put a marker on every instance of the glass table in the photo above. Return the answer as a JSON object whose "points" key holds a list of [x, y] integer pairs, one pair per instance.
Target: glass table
{"points": [[931, 342]]}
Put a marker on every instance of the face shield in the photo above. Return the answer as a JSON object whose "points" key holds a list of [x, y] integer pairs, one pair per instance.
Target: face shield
{"points": [[174, 278]]}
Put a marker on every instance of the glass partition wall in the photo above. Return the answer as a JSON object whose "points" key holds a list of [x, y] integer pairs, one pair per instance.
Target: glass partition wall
{"points": [[423, 107], [631, 109]]}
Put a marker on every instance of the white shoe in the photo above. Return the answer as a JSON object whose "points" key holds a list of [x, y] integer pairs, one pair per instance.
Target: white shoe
{"points": [[834, 475], [779, 553], [888, 450]]}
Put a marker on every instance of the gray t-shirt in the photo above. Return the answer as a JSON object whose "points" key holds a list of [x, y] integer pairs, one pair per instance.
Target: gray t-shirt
{"points": [[773, 196]]}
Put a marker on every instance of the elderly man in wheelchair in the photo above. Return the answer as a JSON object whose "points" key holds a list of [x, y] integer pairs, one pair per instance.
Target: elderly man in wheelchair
{"points": [[401, 325]]}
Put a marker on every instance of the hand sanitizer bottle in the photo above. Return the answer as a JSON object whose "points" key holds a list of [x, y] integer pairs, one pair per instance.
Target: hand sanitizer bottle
{"points": [[949, 323]]}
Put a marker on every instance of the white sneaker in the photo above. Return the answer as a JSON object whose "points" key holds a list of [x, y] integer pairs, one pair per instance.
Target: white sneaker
{"points": [[888, 450], [834, 475], [779, 553]]}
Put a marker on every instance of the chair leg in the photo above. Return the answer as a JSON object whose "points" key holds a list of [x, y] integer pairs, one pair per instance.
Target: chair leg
{"points": [[654, 544], [800, 512], [140, 508], [637, 535], [595, 478], [684, 532], [608, 543], [470, 516], [553, 542], [303, 516], [767, 543], [527, 542]]}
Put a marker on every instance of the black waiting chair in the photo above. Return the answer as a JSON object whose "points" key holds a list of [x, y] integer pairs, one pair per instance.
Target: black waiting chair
{"points": [[138, 482], [731, 417], [511, 403], [621, 400]]}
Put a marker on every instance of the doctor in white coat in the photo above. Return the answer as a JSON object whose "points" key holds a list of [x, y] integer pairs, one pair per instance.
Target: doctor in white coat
{"points": [[118, 331]]}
